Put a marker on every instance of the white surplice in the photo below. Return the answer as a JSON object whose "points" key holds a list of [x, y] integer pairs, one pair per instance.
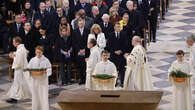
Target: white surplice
{"points": [[192, 63], [40, 83], [105, 68], [138, 75], [94, 58], [20, 87], [182, 94]]}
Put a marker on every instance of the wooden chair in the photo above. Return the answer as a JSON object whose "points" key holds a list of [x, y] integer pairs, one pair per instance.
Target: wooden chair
{"points": [[10, 70], [55, 70]]}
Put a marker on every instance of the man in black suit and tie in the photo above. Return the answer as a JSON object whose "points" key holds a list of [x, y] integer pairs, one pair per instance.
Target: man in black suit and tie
{"points": [[153, 16], [116, 47], [51, 11], [79, 44], [15, 30], [28, 40], [107, 27], [82, 4], [44, 16]]}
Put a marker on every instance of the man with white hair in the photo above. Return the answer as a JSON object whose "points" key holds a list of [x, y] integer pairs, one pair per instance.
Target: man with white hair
{"points": [[68, 11], [135, 18], [96, 15], [106, 25], [137, 76]]}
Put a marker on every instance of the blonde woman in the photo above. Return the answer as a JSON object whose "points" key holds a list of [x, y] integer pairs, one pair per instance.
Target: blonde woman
{"points": [[96, 33], [114, 16]]}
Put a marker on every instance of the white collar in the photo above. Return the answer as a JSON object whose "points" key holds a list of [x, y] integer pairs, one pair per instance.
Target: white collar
{"points": [[20, 46]]}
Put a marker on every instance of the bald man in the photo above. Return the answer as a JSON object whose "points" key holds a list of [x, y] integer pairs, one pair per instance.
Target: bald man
{"points": [[138, 76]]}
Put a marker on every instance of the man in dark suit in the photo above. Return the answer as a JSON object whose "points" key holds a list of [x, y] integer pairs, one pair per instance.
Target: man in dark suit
{"points": [[50, 9], [88, 20], [15, 30], [143, 7], [82, 4], [107, 27], [79, 44], [68, 11], [59, 15], [44, 16], [116, 4], [63, 45], [28, 40], [153, 16], [116, 47], [96, 15], [135, 18], [35, 4]]}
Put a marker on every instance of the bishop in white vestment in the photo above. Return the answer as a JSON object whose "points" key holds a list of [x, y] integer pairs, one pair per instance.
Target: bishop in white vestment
{"points": [[138, 75], [20, 88], [182, 94], [40, 83], [105, 67], [94, 58]]}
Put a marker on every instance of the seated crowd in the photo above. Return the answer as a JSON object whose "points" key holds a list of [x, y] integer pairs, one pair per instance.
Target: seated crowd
{"points": [[73, 31]]}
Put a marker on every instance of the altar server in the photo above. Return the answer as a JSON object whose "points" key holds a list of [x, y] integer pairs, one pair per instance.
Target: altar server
{"points": [[40, 83], [106, 67], [182, 95], [93, 59], [20, 88]]}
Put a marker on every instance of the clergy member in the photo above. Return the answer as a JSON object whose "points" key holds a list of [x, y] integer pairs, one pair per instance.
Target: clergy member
{"points": [[106, 67], [182, 95], [138, 75], [40, 83], [93, 59], [20, 88], [190, 42]]}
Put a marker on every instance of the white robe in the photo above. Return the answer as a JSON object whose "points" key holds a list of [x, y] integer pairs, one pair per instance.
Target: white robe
{"points": [[138, 75], [20, 87], [105, 68], [192, 63], [182, 94], [40, 84], [94, 58]]}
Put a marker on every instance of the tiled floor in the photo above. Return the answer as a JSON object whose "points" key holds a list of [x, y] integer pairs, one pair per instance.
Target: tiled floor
{"points": [[179, 23]]}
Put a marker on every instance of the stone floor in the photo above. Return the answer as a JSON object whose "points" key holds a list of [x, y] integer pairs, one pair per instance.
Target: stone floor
{"points": [[180, 22]]}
